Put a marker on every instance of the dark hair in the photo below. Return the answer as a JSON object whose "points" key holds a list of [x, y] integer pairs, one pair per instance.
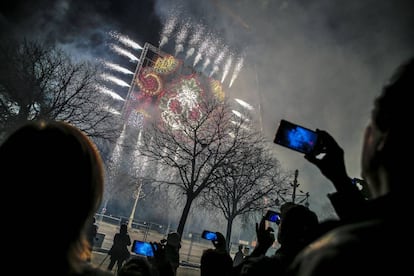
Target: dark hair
{"points": [[392, 114], [298, 224], [393, 106], [136, 266], [123, 228], [215, 262], [55, 172]]}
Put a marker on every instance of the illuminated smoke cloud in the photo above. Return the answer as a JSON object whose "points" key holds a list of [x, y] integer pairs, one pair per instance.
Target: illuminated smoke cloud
{"points": [[168, 29], [181, 37]]}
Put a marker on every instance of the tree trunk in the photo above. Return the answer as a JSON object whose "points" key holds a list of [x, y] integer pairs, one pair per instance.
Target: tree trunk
{"points": [[228, 233], [184, 215]]}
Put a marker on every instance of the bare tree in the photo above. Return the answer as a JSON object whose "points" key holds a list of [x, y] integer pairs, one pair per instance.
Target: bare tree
{"points": [[248, 183], [195, 146], [37, 81]]}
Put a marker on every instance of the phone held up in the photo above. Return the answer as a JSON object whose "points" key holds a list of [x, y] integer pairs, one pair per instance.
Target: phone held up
{"points": [[142, 248], [209, 235], [272, 216], [296, 137]]}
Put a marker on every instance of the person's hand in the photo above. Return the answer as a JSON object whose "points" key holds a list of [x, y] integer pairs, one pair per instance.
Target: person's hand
{"points": [[220, 243], [265, 238], [265, 235], [160, 261], [331, 163]]}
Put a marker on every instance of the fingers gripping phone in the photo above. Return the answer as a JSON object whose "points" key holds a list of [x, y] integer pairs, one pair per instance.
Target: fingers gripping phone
{"points": [[296, 137], [142, 248]]}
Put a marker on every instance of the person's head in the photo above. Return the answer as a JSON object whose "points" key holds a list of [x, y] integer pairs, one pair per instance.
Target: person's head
{"points": [[241, 246], [297, 225], [174, 240], [135, 266], [123, 229], [387, 140], [54, 173], [215, 262]]}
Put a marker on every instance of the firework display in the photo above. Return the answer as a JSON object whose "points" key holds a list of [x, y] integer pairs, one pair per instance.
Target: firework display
{"points": [[164, 88]]}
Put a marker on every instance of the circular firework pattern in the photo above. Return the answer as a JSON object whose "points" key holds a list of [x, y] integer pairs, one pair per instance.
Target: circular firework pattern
{"points": [[181, 100], [149, 82], [166, 65]]}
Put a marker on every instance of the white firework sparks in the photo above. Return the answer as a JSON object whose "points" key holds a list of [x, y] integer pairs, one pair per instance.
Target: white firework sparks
{"points": [[114, 80], [227, 66], [236, 70], [117, 68], [244, 104], [109, 92], [125, 40], [124, 52]]}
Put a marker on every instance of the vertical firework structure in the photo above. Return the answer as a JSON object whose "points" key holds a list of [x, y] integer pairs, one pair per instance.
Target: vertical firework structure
{"points": [[165, 88]]}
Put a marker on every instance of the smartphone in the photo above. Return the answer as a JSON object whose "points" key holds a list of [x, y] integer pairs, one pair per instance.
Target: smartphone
{"points": [[272, 216], [296, 137], [209, 235], [142, 248]]}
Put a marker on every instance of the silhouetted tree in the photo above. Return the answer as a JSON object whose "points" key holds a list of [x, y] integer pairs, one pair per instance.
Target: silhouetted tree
{"points": [[249, 183], [38, 81], [195, 147]]}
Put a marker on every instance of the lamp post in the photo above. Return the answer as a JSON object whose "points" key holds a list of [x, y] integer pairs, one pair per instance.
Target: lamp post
{"points": [[136, 196], [294, 194]]}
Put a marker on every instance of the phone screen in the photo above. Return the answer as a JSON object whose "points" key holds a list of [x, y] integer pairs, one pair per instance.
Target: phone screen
{"points": [[142, 248], [209, 235], [273, 216], [295, 137]]}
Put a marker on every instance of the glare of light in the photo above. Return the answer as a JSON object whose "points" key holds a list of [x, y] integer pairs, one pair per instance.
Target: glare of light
{"points": [[244, 104]]}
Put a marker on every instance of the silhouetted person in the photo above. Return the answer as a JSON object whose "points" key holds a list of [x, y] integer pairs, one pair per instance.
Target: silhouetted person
{"points": [[296, 230], [91, 233], [53, 171], [172, 250], [119, 252], [239, 256], [377, 237], [217, 261]]}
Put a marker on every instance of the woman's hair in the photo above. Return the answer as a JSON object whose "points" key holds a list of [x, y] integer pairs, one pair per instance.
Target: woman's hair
{"points": [[56, 173]]}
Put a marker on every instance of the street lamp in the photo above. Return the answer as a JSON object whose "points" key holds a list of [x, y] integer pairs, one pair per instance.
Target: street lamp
{"points": [[136, 195], [294, 194]]}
